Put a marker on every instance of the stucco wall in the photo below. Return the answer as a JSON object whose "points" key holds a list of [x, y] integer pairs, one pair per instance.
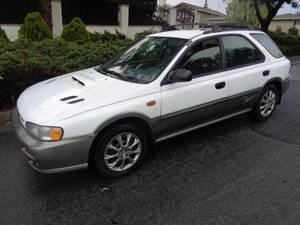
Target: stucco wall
{"points": [[284, 24], [204, 16], [11, 30], [101, 29]]}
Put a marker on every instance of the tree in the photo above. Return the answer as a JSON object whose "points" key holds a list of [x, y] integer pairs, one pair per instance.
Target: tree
{"points": [[272, 7], [242, 12], [45, 9], [266, 10]]}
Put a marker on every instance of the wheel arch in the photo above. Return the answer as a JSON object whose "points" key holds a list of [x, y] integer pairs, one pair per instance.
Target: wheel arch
{"points": [[277, 82], [140, 120]]}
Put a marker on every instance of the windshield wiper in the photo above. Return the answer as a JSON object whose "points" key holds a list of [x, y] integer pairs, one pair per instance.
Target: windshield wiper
{"points": [[109, 72], [114, 73], [120, 76]]}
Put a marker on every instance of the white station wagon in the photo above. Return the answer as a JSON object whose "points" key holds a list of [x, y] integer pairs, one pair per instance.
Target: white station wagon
{"points": [[165, 85]]}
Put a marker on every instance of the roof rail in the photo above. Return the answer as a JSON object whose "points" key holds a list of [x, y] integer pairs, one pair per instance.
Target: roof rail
{"points": [[211, 28]]}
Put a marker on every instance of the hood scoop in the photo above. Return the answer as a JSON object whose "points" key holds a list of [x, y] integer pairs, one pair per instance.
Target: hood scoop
{"points": [[78, 81], [68, 98], [72, 99]]}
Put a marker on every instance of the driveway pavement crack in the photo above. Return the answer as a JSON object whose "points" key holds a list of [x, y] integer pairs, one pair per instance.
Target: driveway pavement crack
{"points": [[274, 138]]}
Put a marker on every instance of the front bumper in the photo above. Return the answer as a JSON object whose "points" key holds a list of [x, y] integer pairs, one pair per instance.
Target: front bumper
{"points": [[54, 157]]}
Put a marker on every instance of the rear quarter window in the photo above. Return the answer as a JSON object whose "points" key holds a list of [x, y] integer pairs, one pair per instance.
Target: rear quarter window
{"points": [[268, 44]]}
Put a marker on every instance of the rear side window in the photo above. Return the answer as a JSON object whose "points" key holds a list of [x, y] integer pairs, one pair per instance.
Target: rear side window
{"points": [[239, 51], [268, 44]]}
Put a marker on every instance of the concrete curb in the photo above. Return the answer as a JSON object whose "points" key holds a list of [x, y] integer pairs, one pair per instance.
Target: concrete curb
{"points": [[294, 60], [5, 122]]}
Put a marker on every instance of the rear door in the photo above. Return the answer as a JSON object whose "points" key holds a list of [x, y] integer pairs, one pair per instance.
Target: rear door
{"points": [[245, 67]]}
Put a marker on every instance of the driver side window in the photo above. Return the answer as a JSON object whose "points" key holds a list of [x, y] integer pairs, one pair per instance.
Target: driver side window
{"points": [[202, 58]]}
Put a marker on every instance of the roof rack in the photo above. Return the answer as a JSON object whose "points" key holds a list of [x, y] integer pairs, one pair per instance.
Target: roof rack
{"points": [[211, 28]]}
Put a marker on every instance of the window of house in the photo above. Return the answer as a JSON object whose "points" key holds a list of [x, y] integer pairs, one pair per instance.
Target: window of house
{"points": [[268, 44], [239, 51], [202, 58], [296, 23]]}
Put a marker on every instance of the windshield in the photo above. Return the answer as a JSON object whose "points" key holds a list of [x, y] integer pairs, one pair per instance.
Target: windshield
{"points": [[143, 62]]}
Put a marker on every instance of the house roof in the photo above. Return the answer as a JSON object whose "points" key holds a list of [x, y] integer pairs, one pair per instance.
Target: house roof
{"points": [[287, 16], [199, 8]]}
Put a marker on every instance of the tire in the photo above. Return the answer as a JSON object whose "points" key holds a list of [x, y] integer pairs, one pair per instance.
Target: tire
{"points": [[266, 103], [120, 150]]}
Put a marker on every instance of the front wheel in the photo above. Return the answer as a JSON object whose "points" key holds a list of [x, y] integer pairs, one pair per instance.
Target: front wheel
{"points": [[120, 150], [266, 103]]}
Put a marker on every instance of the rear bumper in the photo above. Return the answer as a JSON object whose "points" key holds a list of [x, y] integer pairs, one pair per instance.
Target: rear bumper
{"points": [[54, 157]]}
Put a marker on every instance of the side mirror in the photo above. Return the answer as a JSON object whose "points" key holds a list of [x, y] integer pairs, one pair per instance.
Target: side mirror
{"points": [[180, 75]]}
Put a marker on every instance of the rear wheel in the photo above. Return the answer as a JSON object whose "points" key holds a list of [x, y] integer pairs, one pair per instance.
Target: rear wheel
{"points": [[120, 150], [266, 103]]}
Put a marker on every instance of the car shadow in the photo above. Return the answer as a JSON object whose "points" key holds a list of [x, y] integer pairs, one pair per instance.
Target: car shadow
{"points": [[206, 145]]}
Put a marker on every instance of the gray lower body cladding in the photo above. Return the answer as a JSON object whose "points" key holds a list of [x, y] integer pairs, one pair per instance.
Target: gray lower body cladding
{"points": [[53, 157], [203, 114]]}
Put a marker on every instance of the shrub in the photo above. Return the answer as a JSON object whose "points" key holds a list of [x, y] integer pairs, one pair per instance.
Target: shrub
{"points": [[24, 63], [143, 34], [75, 31], [289, 44], [34, 28], [3, 36], [107, 37], [278, 29], [293, 31], [18, 70]]}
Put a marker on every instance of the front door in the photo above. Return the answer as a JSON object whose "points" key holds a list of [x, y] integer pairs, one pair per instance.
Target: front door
{"points": [[187, 104]]}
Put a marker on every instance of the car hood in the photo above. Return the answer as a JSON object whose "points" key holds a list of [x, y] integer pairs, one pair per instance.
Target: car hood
{"points": [[65, 96]]}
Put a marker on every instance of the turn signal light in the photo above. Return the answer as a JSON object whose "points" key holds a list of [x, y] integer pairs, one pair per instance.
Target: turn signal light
{"points": [[151, 103], [55, 134]]}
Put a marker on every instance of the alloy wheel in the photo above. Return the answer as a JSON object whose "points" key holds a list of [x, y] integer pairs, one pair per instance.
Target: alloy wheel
{"points": [[122, 151], [267, 103]]}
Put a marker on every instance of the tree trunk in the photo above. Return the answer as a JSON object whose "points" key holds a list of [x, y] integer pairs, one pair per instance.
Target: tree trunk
{"points": [[264, 26], [44, 7], [272, 11]]}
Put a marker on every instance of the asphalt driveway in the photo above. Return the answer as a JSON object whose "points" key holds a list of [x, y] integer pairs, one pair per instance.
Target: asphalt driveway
{"points": [[234, 172]]}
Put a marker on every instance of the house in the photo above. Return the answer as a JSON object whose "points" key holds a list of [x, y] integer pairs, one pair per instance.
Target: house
{"points": [[189, 13], [126, 16], [285, 22]]}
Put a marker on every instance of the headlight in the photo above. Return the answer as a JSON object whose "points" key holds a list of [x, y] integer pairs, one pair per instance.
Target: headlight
{"points": [[45, 133]]}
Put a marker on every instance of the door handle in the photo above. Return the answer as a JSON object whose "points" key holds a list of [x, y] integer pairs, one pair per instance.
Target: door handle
{"points": [[220, 85], [266, 72]]}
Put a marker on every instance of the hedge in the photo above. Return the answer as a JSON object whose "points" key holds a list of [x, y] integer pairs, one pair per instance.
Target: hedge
{"points": [[75, 31], [289, 44], [34, 28], [24, 63], [3, 36]]}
